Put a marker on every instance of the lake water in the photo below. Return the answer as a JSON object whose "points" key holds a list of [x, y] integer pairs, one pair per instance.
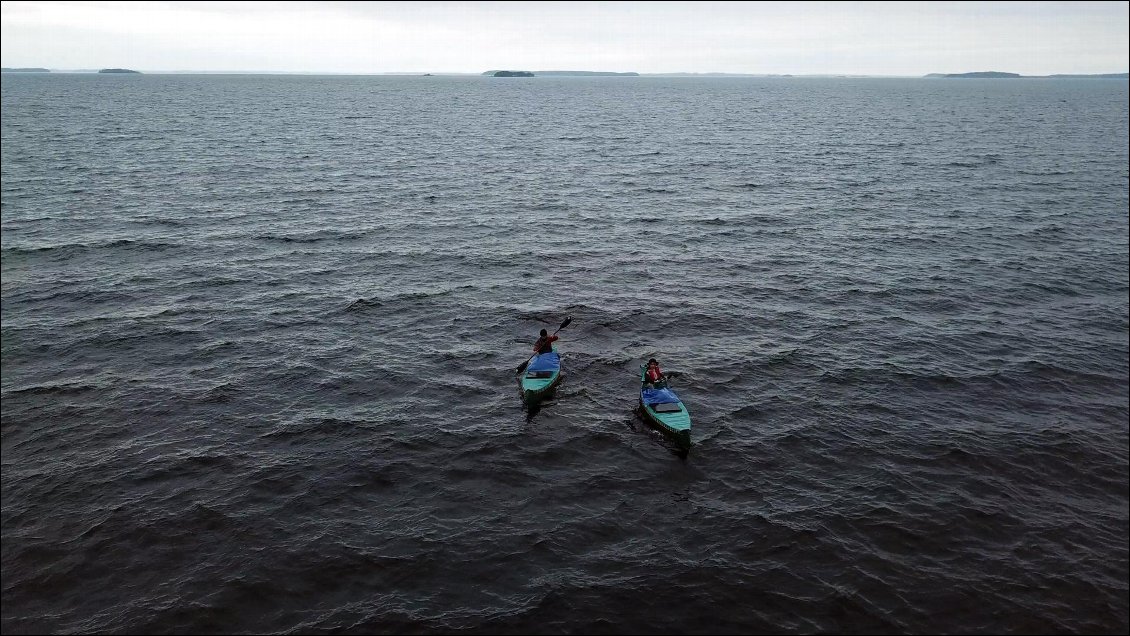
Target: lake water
{"points": [[259, 338]]}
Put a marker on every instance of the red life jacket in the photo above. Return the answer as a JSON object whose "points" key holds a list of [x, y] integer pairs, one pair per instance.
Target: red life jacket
{"points": [[653, 373], [544, 345]]}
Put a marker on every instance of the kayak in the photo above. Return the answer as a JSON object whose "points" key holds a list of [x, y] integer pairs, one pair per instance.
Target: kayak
{"points": [[541, 376], [664, 410]]}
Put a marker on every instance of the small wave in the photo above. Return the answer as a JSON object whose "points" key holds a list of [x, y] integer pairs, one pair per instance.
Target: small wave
{"points": [[364, 303], [218, 281], [1045, 371], [746, 412], [162, 221], [53, 389], [783, 357], [168, 468], [70, 249], [1054, 230], [313, 425], [885, 375], [856, 292], [313, 237]]}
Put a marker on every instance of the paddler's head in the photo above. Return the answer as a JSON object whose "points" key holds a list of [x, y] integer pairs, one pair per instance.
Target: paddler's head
{"points": [[544, 333]]}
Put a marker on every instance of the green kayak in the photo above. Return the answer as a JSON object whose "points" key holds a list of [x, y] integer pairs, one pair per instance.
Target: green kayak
{"points": [[664, 410], [541, 376]]}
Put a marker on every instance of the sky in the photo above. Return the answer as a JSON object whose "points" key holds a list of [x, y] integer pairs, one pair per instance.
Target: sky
{"points": [[799, 38]]}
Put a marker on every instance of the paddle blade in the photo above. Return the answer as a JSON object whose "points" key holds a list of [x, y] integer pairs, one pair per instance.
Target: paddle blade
{"points": [[522, 367], [565, 324]]}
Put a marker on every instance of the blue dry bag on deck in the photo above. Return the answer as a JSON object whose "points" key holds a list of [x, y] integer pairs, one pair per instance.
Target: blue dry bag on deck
{"points": [[546, 362], [659, 396]]}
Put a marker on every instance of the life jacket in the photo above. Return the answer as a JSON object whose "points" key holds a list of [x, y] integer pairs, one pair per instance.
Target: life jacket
{"points": [[544, 344]]}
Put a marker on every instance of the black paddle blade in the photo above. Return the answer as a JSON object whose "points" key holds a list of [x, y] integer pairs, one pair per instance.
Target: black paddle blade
{"points": [[522, 367], [565, 324]]}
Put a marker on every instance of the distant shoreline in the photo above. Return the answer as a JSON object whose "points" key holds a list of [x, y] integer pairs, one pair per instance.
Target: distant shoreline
{"points": [[1000, 75], [598, 74]]}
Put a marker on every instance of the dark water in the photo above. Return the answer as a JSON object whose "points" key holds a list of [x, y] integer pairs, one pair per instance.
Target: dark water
{"points": [[259, 336]]}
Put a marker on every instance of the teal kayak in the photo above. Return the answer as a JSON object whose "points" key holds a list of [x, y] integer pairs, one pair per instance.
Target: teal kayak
{"points": [[664, 410], [541, 376]]}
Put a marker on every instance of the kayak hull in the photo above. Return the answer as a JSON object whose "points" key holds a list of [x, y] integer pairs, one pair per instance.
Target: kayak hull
{"points": [[672, 419], [677, 426], [536, 389]]}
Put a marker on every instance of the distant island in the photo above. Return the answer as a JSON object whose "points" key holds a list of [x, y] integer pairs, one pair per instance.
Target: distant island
{"points": [[509, 74], [118, 70], [24, 70], [998, 74]]}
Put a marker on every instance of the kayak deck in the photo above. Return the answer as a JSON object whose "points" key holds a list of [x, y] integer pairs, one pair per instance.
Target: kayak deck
{"points": [[537, 381], [671, 417]]}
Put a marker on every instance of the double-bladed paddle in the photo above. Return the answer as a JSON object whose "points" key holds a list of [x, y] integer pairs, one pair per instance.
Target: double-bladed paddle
{"points": [[522, 367]]}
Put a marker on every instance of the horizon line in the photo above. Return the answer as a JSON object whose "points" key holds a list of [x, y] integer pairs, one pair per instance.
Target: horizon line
{"points": [[481, 73]]}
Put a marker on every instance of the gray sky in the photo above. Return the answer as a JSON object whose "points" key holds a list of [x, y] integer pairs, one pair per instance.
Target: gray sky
{"points": [[867, 38]]}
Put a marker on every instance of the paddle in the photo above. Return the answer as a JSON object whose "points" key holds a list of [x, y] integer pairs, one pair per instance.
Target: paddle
{"points": [[522, 367]]}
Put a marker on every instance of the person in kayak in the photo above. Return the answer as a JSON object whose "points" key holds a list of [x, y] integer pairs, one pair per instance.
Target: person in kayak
{"points": [[545, 343], [654, 375]]}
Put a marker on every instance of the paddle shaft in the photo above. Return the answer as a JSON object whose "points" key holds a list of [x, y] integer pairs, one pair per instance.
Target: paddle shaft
{"points": [[522, 367]]}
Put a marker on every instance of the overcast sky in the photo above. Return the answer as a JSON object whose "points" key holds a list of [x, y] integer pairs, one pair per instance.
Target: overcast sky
{"points": [[868, 38]]}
